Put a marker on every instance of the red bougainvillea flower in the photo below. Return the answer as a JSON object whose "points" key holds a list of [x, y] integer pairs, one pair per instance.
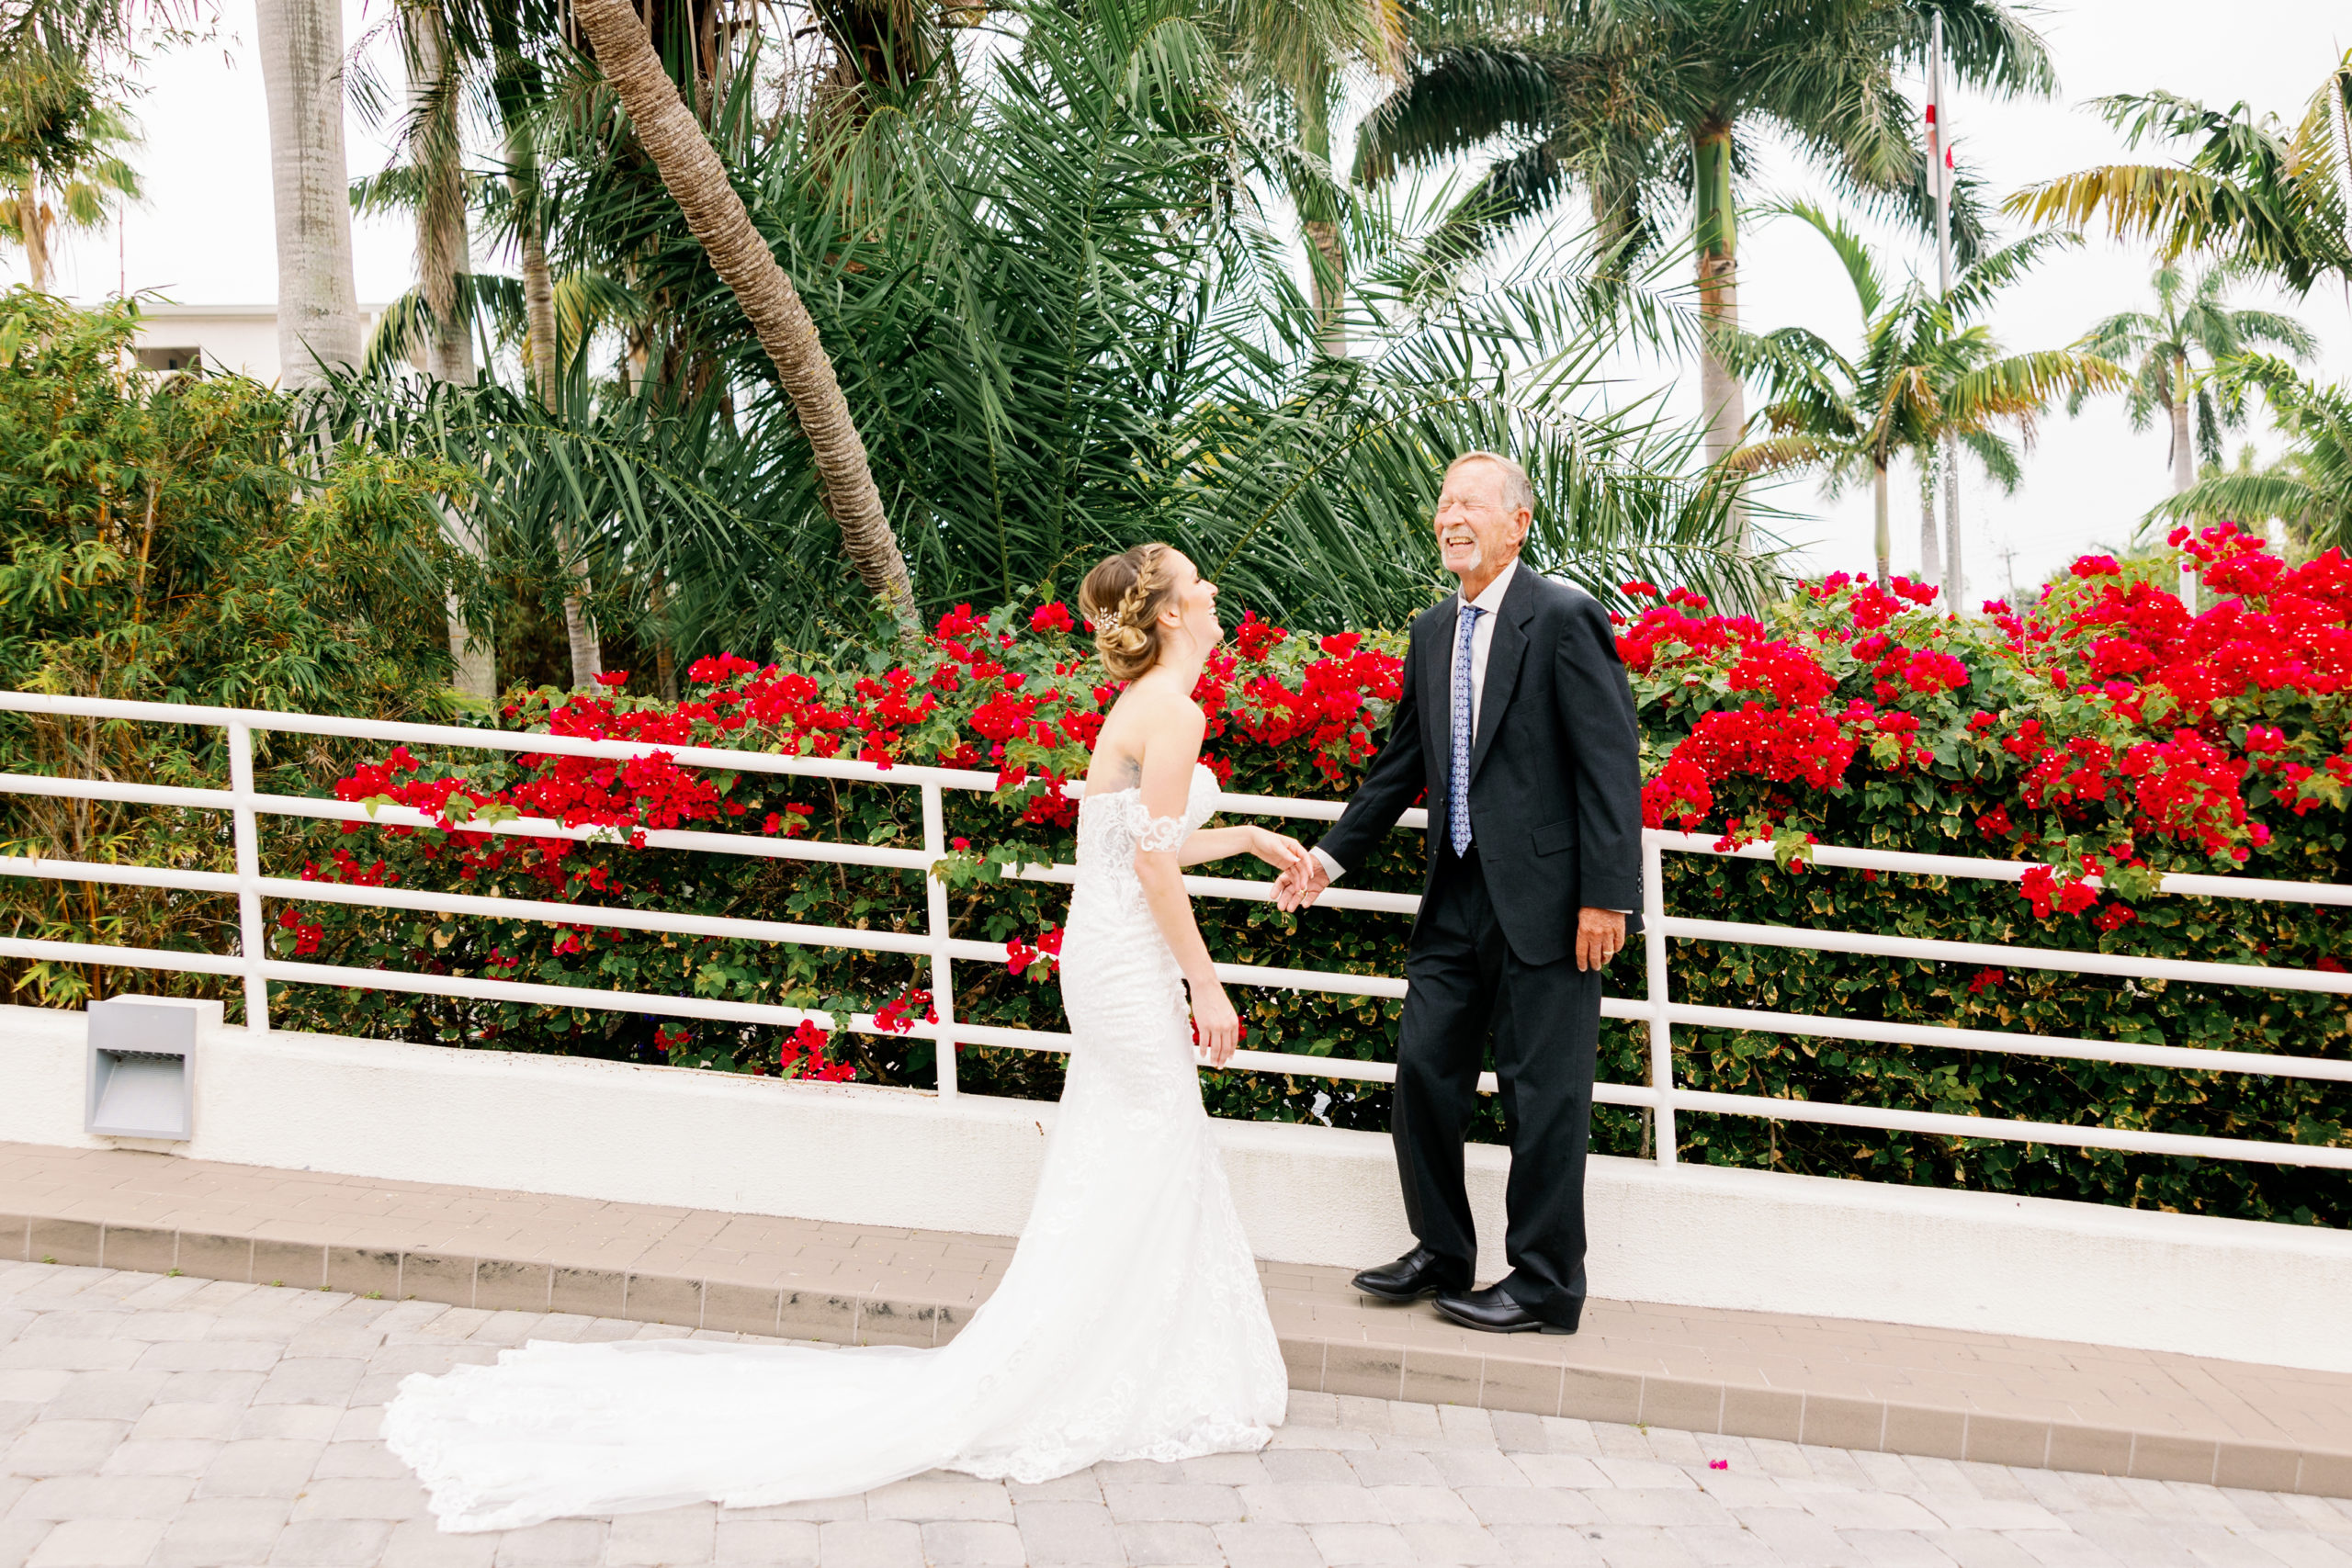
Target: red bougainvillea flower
{"points": [[1053, 617]]}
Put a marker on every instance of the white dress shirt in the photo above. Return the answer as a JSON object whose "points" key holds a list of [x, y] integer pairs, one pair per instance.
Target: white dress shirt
{"points": [[1482, 639]]}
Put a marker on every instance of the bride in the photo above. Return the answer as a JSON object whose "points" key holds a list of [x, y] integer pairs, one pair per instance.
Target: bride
{"points": [[1130, 1323]]}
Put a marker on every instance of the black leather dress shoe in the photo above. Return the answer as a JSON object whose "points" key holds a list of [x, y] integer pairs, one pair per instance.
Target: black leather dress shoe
{"points": [[1418, 1273], [1496, 1311]]}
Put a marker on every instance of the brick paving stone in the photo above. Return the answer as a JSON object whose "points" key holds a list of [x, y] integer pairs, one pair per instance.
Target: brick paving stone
{"points": [[869, 1543], [1448, 1545], [1265, 1544], [768, 1543], [420, 1543], [1162, 1543], [1894, 1549], [675, 1536], [98, 1543], [168, 1456], [558, 1543], [923, 1501], [261, 1467], [330, 1543], [1068, 1532], [220, 1532], [1362, 1545], [1133, 1503], [1640, 1546], [971, 1543], [64, 1448]]}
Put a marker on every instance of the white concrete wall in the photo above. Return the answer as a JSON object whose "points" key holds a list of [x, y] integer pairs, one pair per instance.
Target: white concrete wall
{"points": [[1691, 1236]]}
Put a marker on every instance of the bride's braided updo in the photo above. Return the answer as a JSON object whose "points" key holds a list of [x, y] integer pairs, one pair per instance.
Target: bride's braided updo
{"points": [[1123, 598]]}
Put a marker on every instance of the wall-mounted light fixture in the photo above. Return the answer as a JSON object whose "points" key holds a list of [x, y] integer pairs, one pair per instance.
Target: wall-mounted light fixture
{"points": [[142, 1066]]}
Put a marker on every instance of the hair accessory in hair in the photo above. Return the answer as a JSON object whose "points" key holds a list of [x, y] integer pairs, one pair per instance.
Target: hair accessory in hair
{"points": [[1109, 623]]}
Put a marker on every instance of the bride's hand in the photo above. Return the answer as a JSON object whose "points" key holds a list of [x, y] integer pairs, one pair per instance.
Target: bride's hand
{"points": [[1216, 1026], [1277, 850]]}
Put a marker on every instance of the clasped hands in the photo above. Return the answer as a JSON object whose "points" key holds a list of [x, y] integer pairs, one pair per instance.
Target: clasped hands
{"points": [[1600, 933]]}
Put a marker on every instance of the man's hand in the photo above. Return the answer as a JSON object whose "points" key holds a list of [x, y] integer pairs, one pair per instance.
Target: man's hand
{"points": [[1302, 883], [1600, 933]]}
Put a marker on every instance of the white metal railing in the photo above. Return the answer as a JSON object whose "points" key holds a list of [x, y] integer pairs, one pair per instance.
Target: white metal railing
{"points": [[1663, 1097]]}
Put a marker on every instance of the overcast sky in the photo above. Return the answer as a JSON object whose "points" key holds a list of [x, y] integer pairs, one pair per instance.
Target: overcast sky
{"points": [[203, 236]]}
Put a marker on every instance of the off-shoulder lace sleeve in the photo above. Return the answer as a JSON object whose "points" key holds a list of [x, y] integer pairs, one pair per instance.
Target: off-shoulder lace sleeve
{"points": [[1161, 834]]}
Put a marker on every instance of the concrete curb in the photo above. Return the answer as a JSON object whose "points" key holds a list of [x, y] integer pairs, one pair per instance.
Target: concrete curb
{"points": [[1525, 1373]]}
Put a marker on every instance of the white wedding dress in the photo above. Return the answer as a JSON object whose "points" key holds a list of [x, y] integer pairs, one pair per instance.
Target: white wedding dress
{"points": [[1130, 1323]]}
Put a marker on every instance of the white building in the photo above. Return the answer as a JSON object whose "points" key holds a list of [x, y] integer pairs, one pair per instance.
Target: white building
{"points": [[242, 338]]}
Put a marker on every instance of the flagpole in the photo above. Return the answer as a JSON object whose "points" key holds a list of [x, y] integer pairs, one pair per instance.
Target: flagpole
{"points": [[1939, 171]]}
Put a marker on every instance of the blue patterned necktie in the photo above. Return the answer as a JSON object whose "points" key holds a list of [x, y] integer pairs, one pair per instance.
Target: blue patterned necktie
{"points": [[1457, 811]]}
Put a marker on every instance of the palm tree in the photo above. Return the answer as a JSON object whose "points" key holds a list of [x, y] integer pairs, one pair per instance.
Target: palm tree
{"points": [[78, 193], [2192, 319], [2255, 191], [300, 43], [1925, 369], [1651, 105], [2309, 488], [698, 181]]}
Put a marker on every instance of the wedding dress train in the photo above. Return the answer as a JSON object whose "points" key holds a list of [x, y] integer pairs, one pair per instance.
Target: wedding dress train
{"points": [[1130, 1323]]}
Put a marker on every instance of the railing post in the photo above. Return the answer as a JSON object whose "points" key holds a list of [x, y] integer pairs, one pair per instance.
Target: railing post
{"points": [[252, 938], [943, 972], [1661, 1030]]}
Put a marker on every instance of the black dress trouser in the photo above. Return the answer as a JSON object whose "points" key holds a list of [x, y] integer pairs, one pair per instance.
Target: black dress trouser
{"points": [[1464, 985]]}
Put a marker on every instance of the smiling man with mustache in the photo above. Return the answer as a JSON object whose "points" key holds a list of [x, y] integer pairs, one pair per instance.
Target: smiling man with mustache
{"points": [[1517, 719]]}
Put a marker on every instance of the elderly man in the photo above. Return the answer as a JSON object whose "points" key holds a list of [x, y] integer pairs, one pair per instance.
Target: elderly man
{"points": [[1517, 721]]}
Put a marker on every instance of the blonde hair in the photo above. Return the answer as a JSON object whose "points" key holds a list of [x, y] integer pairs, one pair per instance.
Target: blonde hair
{"points": [[1519, 491], [1122, 597]]}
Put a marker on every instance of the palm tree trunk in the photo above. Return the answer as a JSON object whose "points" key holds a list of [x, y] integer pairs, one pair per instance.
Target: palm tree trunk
{"points": [[318, 306], [1327, 260], [1720, 396], [1881, 533], [2184, 467], [546, 373], [1930, 534], [2184, 459], [442, 243], [442, 252], [32, 227], [698, 182], [543, 367]]}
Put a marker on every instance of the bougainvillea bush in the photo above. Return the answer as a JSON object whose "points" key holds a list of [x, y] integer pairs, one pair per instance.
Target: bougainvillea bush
{"points": [[2106, 735]]}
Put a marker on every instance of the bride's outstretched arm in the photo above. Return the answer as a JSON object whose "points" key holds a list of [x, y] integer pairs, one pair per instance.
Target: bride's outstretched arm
{"points": [[1277, 850]]}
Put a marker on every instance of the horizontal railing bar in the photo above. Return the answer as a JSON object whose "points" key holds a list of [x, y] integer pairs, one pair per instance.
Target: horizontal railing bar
{"points": [[2072, 959], [1242, 888], [2066, 1046], [756, 846], [1941, 1125], [1906, 863], [593, 916], [501, 741], [1287, 1063], [109, 789], [126, 876], [125, 957]]}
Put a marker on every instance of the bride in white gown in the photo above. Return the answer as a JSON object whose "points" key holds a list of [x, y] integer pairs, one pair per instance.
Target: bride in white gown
{"points": [[1130, 1323]]}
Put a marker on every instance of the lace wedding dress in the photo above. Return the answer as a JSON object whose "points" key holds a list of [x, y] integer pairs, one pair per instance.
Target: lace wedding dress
{"points": [[1130, 1323]]}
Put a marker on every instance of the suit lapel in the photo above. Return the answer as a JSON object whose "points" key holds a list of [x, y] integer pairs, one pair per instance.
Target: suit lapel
{"points": [[1503, 658], [1437, 675]]}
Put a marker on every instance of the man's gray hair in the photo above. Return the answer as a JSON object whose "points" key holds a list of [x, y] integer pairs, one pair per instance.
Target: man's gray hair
{"points": [[1519, 491]]}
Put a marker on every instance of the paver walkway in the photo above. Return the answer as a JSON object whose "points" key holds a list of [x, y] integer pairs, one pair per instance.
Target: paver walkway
{"points": [[186, 1423], [1933, 1393]]}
